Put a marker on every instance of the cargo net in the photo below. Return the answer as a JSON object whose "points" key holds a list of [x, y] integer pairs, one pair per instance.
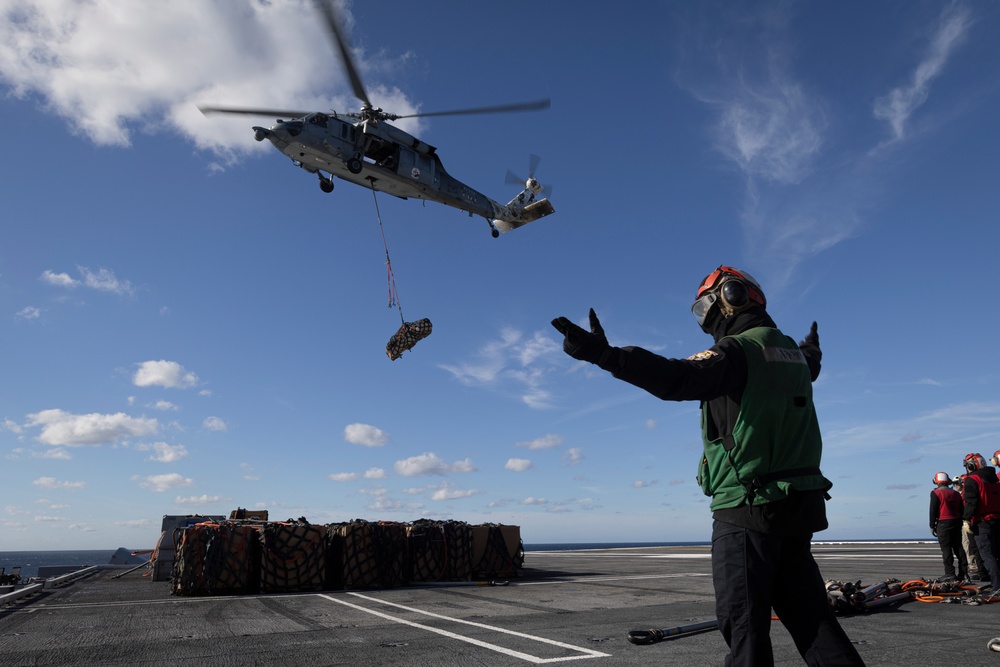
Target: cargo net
{"points": [[215, 559], [439, 550], [367, 554], [293, 557], [499, 549], [407, 336]]}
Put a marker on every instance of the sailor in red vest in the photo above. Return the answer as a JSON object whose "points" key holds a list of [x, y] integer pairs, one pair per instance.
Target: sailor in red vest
{"points": [[981, 493], [946, 525]]}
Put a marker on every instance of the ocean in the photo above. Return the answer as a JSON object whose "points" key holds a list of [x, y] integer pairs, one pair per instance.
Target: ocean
{"points": [[29, 561]]}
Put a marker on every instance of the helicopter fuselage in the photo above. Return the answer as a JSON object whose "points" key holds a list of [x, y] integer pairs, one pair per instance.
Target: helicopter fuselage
{"points": [[373, 155], [380, 156]]}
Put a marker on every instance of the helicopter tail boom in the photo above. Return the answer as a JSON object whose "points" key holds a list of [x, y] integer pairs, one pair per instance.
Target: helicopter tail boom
{"points": [[521, 210]]}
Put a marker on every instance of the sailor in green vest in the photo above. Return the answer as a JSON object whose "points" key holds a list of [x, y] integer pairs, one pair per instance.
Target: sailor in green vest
{"points": [[760, 463]]}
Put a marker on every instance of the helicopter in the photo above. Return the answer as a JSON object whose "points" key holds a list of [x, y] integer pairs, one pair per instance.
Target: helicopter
{"points": [[365, 149]]}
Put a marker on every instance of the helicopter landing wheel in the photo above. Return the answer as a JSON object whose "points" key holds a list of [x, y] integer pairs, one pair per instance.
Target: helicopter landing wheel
{"points": [[326, 185], [354, 165], [495, 233]]}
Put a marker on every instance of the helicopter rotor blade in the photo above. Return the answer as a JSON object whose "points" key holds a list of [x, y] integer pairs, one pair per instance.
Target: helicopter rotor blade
{"points": [[503, 108], [533, 161], [514, 179], [334, 27], [254, 111]]}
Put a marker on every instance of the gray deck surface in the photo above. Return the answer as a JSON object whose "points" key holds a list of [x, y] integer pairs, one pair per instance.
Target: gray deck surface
{"points": [[568, 607]]}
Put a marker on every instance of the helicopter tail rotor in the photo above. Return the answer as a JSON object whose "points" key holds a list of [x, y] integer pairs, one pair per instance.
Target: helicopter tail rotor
{"points": [[530, 182]]}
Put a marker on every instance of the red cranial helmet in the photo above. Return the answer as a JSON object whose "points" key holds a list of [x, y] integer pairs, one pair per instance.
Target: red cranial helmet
{"points": [[974, 462], [942, 478]]}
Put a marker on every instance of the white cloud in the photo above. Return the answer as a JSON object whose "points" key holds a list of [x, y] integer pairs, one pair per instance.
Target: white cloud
{"points": [[62, 428], [165, 482], [163, 452], [545, 442], [102, 280], [133, 523], [203, 499], [29, 313], [365, 434], [573, 455], [374, 473], [164, 405], [53, 483], [513, 360], [214, 424], [447, 492], [898, 105], [534, 501], [58, 279], [108, 69], [517, 465], [430, 464], [343, 476], [54, 453], [381, 501], [164, 373]]}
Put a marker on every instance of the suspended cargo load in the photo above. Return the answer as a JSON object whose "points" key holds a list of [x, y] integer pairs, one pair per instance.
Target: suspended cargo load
{"points": [[408, 335]]}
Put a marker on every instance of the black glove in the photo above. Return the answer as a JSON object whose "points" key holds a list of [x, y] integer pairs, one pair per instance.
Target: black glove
{"points": [[580, 343], [812, 338]]}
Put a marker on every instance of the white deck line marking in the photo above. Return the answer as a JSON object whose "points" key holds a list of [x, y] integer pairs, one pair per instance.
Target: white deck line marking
{"points": [[587, 580], [587, 653]]}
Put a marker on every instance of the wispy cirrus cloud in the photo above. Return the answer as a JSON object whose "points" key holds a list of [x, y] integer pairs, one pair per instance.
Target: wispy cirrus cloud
{"points": [[806, 188], [897, 106], [515, 362]]}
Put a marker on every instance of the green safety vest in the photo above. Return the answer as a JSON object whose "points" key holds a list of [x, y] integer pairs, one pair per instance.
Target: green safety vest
{"points": [[775, 444]]}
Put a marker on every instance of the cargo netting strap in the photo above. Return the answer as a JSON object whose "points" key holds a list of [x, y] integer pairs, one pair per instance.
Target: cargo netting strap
{"points": [[428, 551], [497, 559], [213, 559], [359, 567], [393, 294], [293, 557], [409, 333]]}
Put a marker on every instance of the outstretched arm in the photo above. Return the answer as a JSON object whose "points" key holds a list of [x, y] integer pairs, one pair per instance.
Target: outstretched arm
{"points": [[810, 349]]}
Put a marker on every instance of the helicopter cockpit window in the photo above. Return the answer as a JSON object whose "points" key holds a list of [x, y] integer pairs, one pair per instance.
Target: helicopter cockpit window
{"points": [[294, 127], [318, 119]]}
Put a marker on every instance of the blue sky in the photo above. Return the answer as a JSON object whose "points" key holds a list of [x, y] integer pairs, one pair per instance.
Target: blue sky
{"points": [[189, 324]]}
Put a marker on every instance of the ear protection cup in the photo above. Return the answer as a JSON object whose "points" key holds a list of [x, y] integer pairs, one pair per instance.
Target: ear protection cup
{"points": [[734, 294]]}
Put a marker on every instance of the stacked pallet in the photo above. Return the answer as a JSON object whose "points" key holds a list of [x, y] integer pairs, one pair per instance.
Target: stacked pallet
{"points": [[239, 557]]}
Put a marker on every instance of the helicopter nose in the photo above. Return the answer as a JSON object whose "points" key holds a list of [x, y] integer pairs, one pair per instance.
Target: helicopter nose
{"points": [[260, 133]]}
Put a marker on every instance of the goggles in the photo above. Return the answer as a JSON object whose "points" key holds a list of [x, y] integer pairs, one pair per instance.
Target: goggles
{"points": [[703, 305]]}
